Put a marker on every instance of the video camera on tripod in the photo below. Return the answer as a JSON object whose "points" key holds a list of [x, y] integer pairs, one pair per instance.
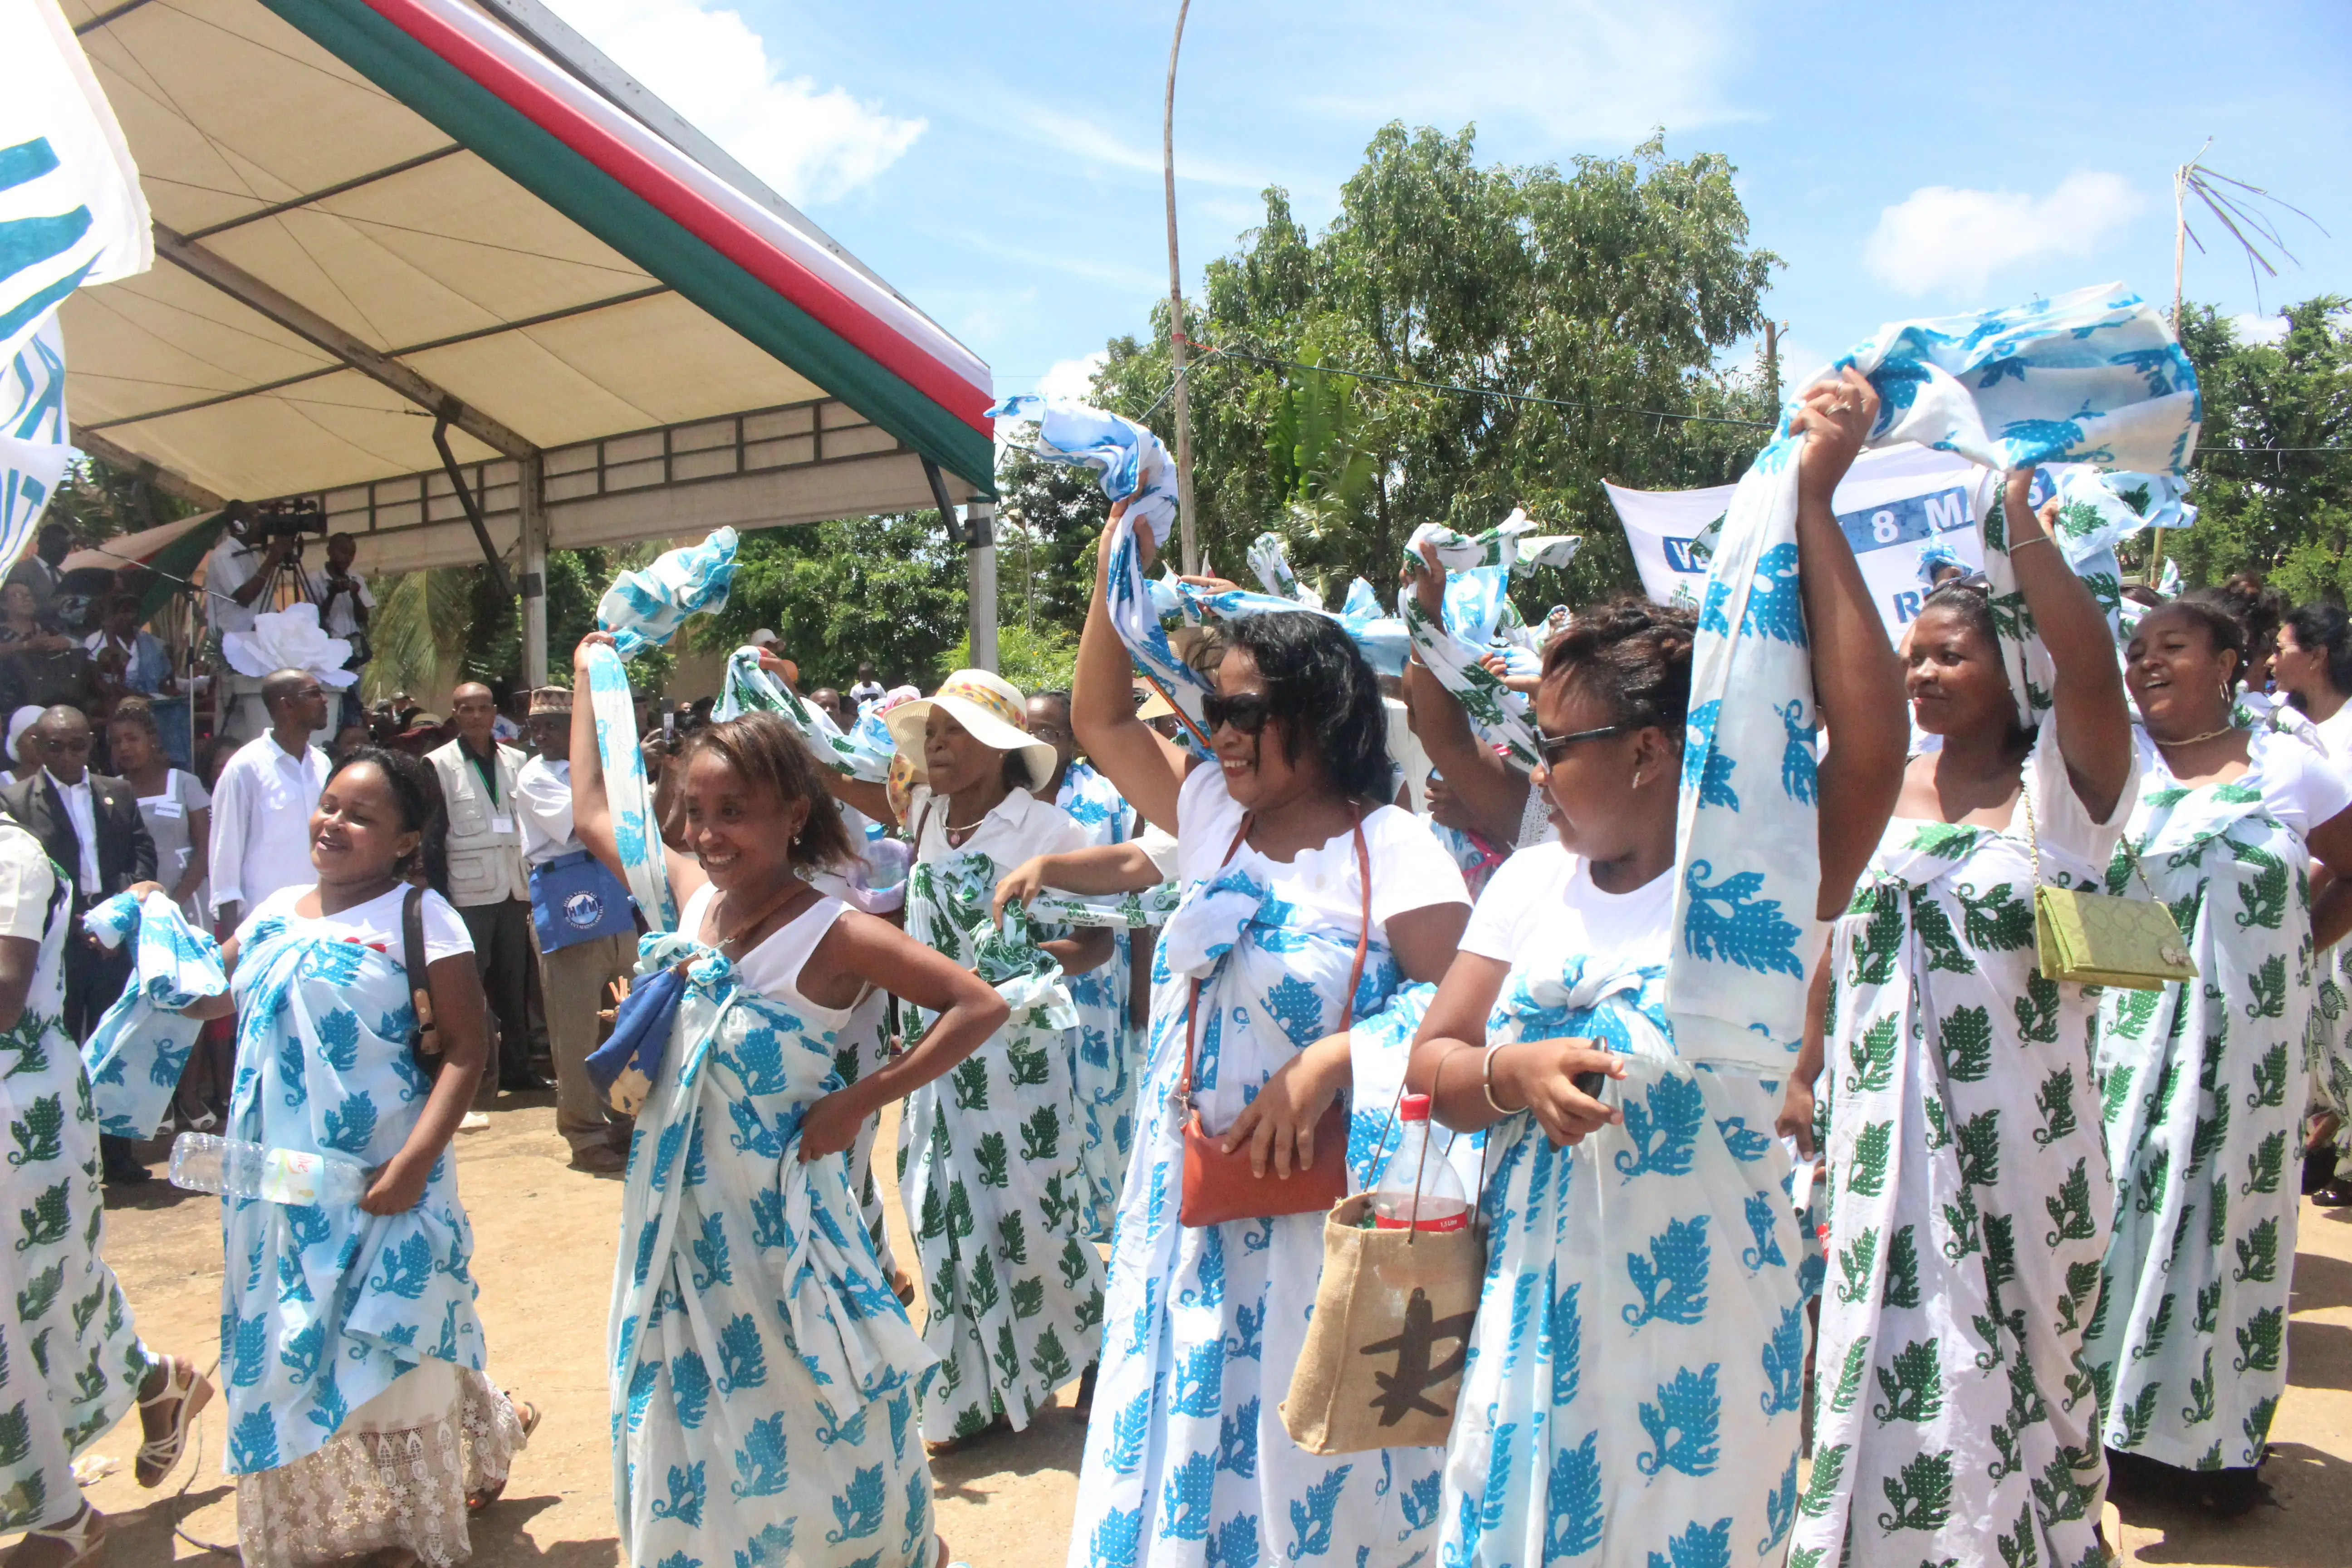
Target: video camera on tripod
{"points": [[294, 520]]}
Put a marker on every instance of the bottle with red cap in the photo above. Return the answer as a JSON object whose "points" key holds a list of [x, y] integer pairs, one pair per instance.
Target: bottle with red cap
{"points": [[1418, 1190]]}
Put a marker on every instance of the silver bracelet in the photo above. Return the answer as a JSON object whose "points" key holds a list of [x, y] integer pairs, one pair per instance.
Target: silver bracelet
{"points": [[1487, 1076], [2037, 538]]}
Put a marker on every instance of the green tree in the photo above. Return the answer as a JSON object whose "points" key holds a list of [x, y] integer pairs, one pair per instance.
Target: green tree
{"points": [[98, 501], [885, 589], [1611, 288], [2281, 511]]}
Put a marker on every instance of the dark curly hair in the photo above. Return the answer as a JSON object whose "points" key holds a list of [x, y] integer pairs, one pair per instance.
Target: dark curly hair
{"points": [[2218, 612], [1635, 655], [417, 789], [765, 750], [2327, 630], [1325, 695]]}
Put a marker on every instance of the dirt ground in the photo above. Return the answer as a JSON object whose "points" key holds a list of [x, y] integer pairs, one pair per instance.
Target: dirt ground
{"points": [[544, 1238]]}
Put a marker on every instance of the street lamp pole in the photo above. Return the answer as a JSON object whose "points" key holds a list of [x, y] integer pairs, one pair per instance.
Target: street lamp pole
{"points": [[1183, 412]]}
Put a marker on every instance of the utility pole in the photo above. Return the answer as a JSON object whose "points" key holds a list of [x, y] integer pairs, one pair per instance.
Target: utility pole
{"points": [[1772, 364], [1182, 411]]}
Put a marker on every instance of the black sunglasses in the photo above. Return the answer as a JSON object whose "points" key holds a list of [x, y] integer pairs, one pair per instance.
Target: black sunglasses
{"points": [[1247, 713], [1553, 747]]}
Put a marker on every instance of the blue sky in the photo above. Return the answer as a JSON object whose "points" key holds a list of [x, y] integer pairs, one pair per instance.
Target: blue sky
{"points": [[1001, 165]]}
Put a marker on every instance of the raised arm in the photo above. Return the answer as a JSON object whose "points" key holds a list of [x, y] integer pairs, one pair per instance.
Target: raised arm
{"points": [[1143, 765], [1857, 680], [592, 807], [2087, 694]]}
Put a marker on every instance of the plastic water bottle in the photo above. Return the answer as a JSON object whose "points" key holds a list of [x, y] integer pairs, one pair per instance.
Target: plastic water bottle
{"points": [[1418, 1190], [203, 1162]]}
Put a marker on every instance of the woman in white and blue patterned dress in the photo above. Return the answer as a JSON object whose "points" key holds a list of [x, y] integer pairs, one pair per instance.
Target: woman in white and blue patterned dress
{"points": [[1187, 1463], [1105, 1046], [1638, 1357], [764, 1377], [359, 1417]]}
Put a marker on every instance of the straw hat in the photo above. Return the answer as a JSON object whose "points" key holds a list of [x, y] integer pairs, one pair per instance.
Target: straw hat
{"points": [[992, 711]]}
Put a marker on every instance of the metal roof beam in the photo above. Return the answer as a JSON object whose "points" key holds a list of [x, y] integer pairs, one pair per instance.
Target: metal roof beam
{"points": [[340, 188], [312, 327], [155, 474]]}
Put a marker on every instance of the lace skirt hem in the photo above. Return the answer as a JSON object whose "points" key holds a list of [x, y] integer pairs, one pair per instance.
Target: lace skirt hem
{"points": [[378, 1485]]}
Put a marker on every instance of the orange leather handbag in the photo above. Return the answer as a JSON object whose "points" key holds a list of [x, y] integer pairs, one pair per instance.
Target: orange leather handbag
{"points": [[1219, 1187]]}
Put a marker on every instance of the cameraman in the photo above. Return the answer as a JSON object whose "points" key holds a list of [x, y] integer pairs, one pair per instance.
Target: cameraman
{"points": [[235, 573], [343, 601]]}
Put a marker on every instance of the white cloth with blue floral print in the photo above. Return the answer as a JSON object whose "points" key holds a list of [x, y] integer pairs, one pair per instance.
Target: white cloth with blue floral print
{"points": [[764, 1378], [1187, 1464], [1106, 1049], [136, 1054], [636, 836], [2090, 376], [1638, 1359], [347, 1339], [644, 609]]}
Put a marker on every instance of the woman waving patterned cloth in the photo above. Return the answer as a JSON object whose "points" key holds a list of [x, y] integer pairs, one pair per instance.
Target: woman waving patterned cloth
{"points": [[1638, 1357], [71, 1364], [2205, 1082], [1970, 1202], [359, 1417], [764, 1377], [1187, 1463], [990, 1165]]}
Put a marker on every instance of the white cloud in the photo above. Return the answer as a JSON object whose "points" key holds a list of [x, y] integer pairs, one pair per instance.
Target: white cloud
{"points": [[1576, 71], [2257, 328], [1090, 141], [1948, 238], [811, 145], [1073, 378]]}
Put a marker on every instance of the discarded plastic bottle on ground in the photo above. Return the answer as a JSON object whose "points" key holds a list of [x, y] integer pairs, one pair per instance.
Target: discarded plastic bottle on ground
{"points": [[1418, 1190], [203, 1163]]}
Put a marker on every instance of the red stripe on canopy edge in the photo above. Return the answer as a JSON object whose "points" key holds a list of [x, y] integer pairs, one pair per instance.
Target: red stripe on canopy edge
{"points": [[692, 210]]}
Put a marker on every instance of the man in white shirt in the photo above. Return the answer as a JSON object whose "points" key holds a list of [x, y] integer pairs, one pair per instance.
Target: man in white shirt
{"points": [[486, 881], [343, 601], [235, 573], [571, 979], [261, 807], [867, 689]]}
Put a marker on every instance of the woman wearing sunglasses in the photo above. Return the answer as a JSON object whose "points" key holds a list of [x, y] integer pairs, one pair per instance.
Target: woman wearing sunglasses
{"points": [[1187, 1464], [1968, 1078], [1638, 1358]]}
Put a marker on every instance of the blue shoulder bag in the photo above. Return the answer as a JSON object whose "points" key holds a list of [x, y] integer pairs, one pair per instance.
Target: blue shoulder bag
{"points": [[573, 899]]}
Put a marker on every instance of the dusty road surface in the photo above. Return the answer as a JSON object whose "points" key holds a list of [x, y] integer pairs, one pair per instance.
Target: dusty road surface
{"points": [[545, 1236]]}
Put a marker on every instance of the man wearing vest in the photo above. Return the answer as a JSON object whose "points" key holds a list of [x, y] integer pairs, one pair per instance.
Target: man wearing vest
{"points": [[485, 880]]}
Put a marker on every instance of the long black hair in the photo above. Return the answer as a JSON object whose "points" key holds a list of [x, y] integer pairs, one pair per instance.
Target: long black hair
{"points": [[417, 789], [1325, 695]]}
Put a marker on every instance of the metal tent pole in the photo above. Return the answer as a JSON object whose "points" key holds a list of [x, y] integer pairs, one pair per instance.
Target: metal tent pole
{"points": [[531, 494]]}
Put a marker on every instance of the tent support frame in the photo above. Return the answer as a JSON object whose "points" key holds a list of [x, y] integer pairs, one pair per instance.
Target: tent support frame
{"points": [[316, 329]]}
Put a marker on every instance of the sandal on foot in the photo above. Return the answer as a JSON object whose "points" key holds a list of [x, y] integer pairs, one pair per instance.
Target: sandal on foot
{"points": [[84, 1536], [188, 1392], [528, 1414]]}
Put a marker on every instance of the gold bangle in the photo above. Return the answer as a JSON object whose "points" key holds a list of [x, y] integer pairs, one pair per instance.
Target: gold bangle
{"points": [[1487, 1081]]}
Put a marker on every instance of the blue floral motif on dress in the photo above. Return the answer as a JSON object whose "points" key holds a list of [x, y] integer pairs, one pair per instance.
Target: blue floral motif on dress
{"points": [[352, 1300], [136, 1052]]}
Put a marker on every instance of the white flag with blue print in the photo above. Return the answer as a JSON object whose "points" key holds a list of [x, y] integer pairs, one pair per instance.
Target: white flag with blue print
{"points": [[71, 211], [2093, 376]]}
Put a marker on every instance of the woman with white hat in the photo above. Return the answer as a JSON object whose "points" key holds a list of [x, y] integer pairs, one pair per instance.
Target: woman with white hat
{"points": [[992, 1181]]}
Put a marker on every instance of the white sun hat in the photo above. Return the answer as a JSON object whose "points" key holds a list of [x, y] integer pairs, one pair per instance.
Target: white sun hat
{"points": [[992, 711]]}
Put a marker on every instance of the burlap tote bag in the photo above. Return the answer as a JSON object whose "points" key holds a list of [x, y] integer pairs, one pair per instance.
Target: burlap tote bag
{"points": [[1383, 1364]]}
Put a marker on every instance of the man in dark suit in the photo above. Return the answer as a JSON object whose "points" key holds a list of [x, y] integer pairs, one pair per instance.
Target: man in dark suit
{"points": [[89, 823]]}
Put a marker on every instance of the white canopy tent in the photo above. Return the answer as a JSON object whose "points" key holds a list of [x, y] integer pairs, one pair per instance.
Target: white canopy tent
{"points": [[389, 223]]}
